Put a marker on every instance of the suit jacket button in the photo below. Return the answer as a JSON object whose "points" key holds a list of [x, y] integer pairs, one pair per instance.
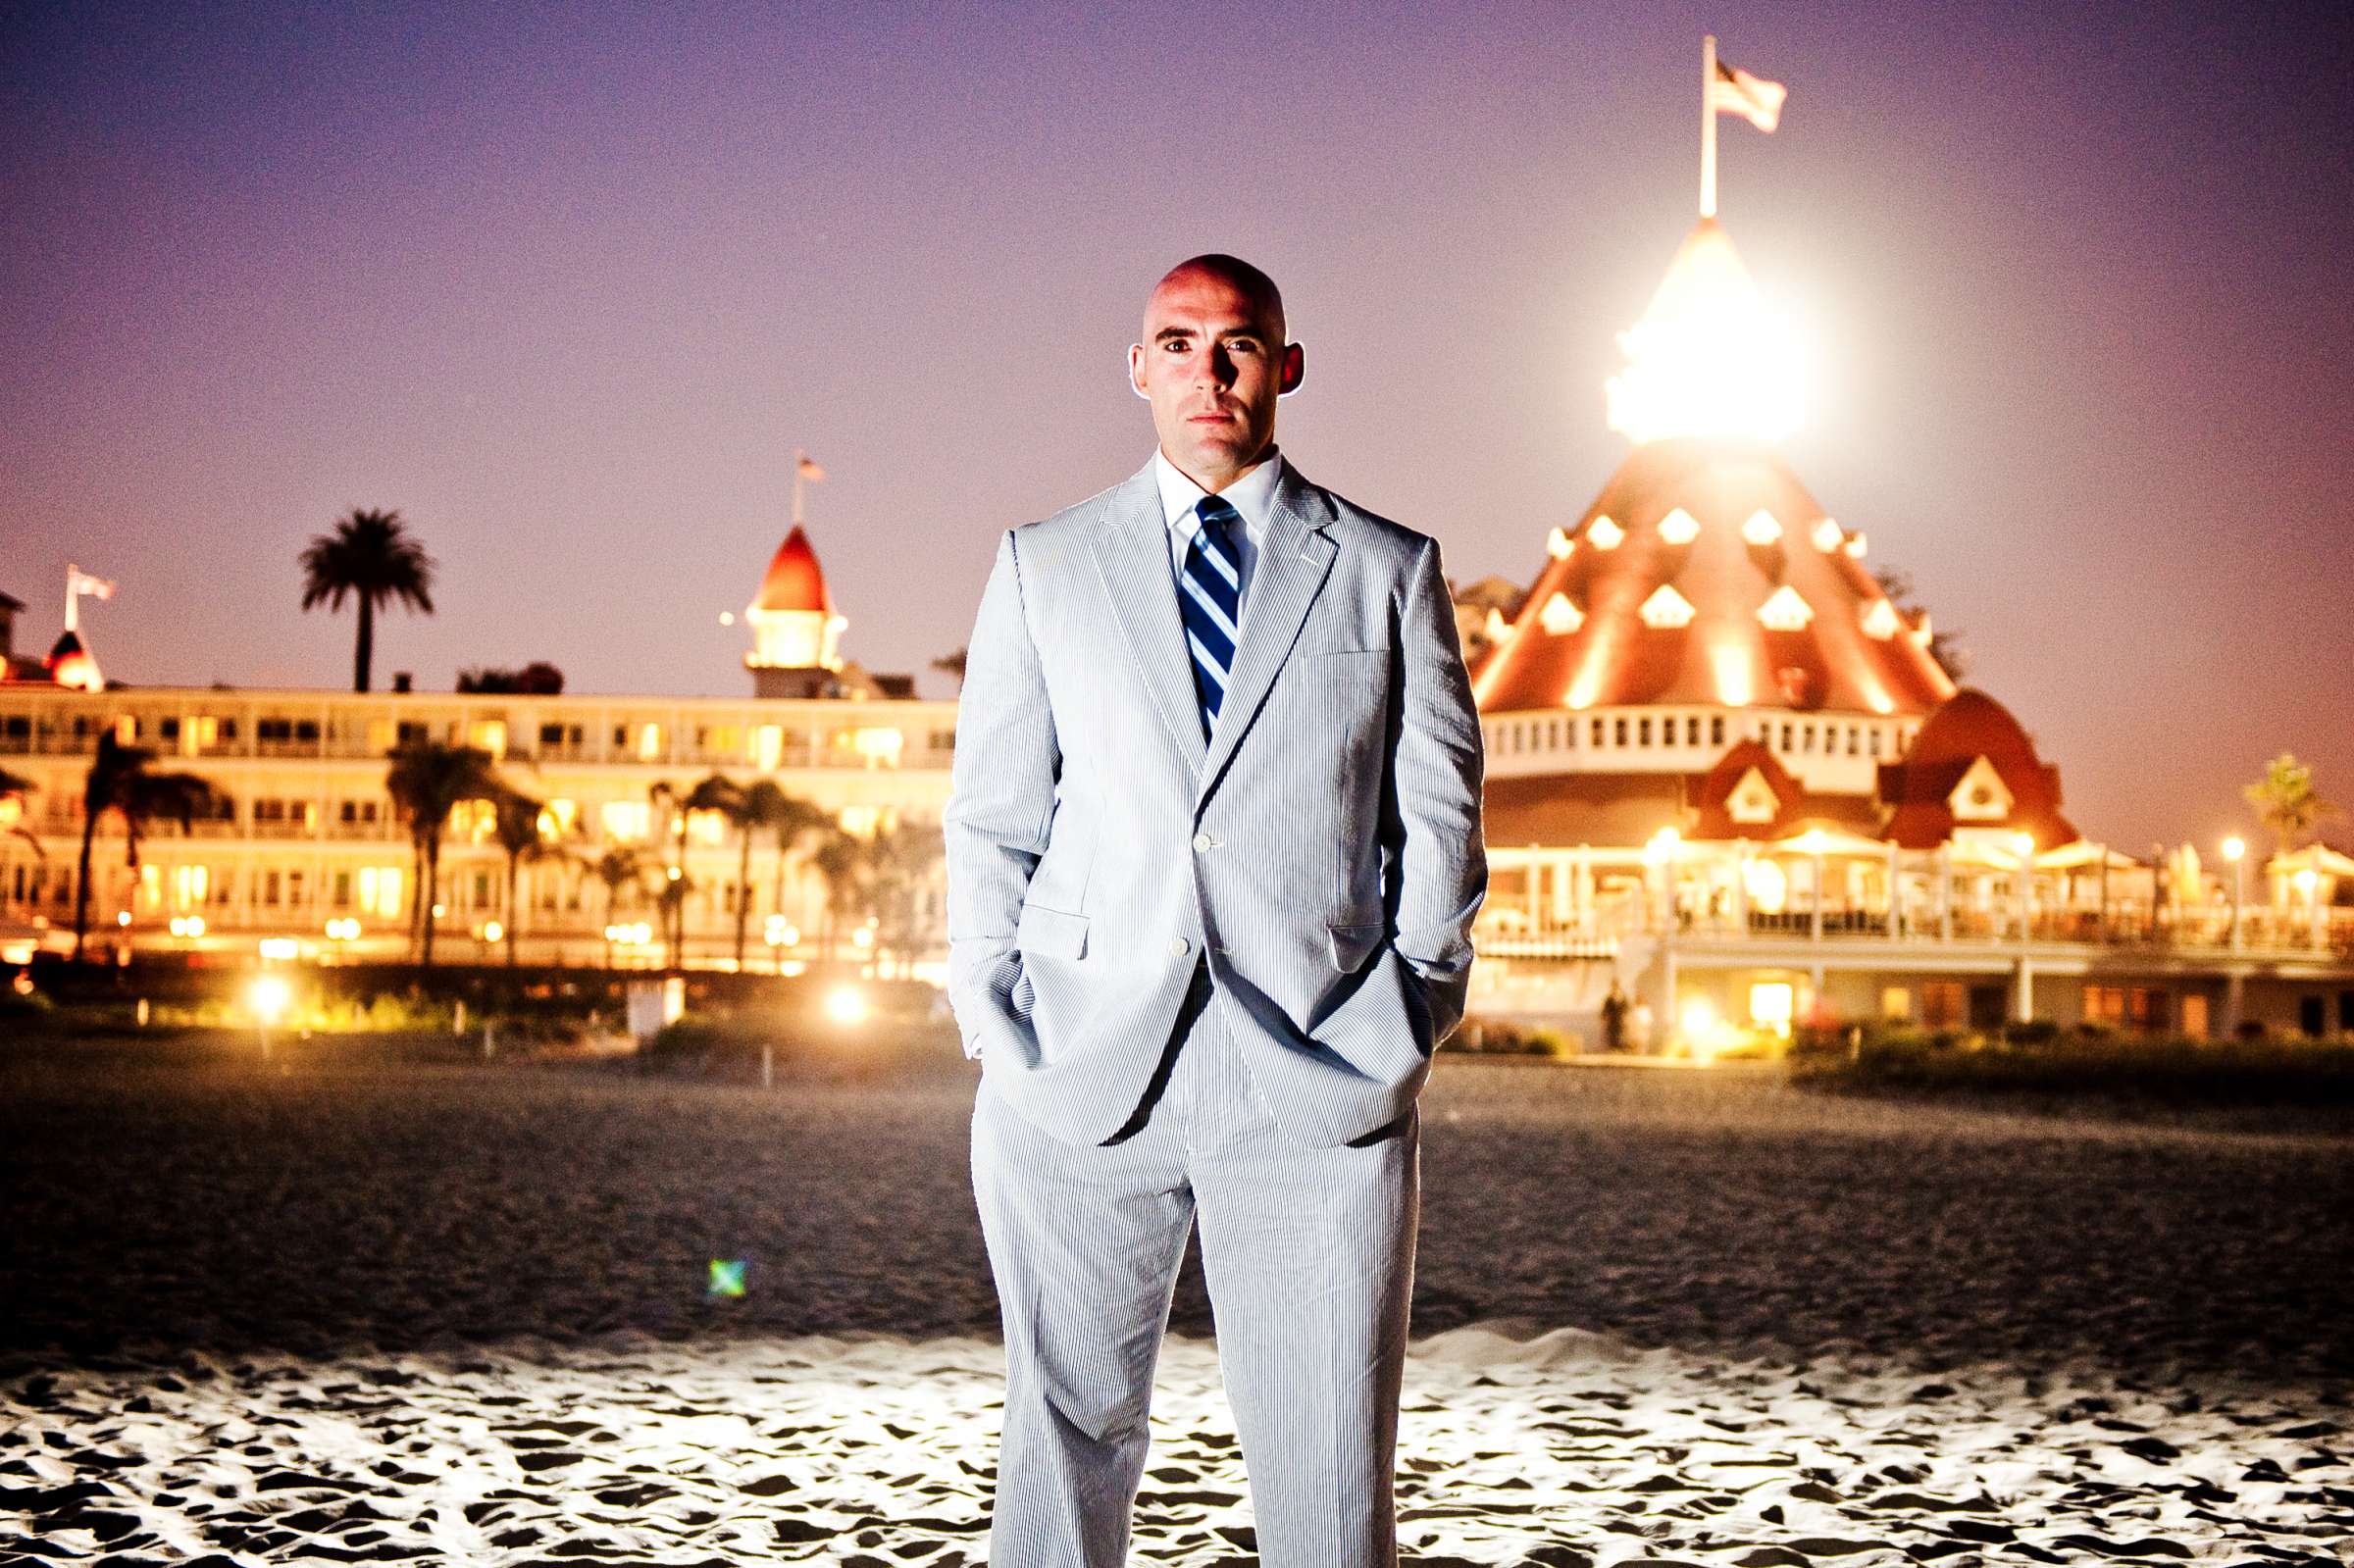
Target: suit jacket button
{"points": [[1179, 947], [1203, 841]]}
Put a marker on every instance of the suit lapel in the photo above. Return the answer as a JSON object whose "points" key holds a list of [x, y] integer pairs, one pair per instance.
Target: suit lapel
{"points": [[1132, 556], [1291, 569]]}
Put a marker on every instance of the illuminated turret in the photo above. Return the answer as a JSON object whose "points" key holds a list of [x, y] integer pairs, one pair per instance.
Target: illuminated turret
{"points": [[796, 633]]}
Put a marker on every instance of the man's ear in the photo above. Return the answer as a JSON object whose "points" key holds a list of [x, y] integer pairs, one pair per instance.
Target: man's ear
{"points": [[1136, 372], [1294, 368]]}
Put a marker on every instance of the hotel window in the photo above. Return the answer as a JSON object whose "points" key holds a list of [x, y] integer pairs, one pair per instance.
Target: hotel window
{"points": [[1896, 1003], [1717, 729], [490, 734], [1785, 737], [189, 885], [944, 739], [1806, 738], [625, 821], [1643, 731], [380, 891], [768, 746], [1872, 742], [1593, 737], [1853, 738], [413, 732], [1553, 733], [1618, 732], [294, 889], [270, 888], [340, 897]]}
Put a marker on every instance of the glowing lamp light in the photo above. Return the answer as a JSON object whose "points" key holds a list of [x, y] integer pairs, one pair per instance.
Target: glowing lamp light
{"points": [[267, 996], [862, 937], [492, 931], [1771, 1005], [2022, 844], [122, 917], [846, 1004], [1729, 663], [2306, 881], [2235, 847], [1767, 885], [1811, 841], [69, 664], [281, 947], [439, 910], [1708, 358]]}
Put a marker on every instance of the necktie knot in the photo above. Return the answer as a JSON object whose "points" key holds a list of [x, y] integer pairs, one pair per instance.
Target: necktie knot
{"points": [[1217, 515]]}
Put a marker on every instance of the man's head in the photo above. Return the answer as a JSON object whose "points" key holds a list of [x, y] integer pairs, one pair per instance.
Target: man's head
{"points": [[1212, 362]]}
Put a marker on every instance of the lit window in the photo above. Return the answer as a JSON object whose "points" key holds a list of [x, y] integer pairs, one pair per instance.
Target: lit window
{"points": [[490, 734], [768, 746], [1665, 608], [1604, 533], [1761, 529], [859, 820], [1558, 545], [1678, 527], [625, 821], [1880, 619], [650, 742], [558, 818], [1827, 535], [1560, 615], [1771, 1004], [1785, 611]]}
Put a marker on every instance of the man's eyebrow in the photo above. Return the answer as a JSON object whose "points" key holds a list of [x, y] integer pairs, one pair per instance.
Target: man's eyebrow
{"points": [[1167, 332]]}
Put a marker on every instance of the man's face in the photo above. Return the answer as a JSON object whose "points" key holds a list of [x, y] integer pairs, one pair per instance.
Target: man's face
{"points": [[1212, 363]]}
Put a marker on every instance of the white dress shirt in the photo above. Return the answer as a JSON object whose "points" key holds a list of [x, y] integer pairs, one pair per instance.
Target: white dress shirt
{"points": [[1253, 496]]}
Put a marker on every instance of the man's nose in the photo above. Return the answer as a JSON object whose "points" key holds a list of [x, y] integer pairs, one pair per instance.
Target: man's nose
{"points": [[1217, 368]]}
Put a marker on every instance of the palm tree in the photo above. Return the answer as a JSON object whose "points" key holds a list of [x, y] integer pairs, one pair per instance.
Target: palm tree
{"points": [[748, 809], [670, 821], [620, 870], [13, 786], [841, 857], [372, 557], [900, 861], [2285, 802], [427, 782], [119, 780], [516, 825], [790, 818]]}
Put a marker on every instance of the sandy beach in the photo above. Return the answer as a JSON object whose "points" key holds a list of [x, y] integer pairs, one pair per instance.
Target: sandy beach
{"points": [[344, 1308]]}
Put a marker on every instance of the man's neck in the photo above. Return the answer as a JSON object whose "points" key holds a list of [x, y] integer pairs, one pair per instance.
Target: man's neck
{"points": [[1224, 481]]}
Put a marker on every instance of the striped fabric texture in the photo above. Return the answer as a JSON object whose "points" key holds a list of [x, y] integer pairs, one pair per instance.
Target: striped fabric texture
{"points": [[1318, 842], [1209, 601], [1308, 1254]]}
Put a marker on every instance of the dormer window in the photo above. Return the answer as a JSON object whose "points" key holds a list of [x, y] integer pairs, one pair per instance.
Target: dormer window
{"points": [[1785, 611], [1666, 609], [1880, 621], [1827, 535], [1559, 616], [1604, 533], [1761, 529], [1558, 545], [1678, 527]]}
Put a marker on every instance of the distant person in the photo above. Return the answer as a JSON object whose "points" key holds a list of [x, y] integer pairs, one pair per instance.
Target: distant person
{"points": [[1614, 1019], [1213, 854]]}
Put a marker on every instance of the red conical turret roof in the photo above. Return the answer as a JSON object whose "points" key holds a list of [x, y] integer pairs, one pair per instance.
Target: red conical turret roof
{"points": [[794, 580], [1828, 640]]}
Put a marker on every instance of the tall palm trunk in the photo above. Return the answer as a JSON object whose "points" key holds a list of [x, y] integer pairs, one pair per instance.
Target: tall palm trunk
{"points": [[432, 894], [81, 885], [744, 890], [514, 918], [362, 653]]}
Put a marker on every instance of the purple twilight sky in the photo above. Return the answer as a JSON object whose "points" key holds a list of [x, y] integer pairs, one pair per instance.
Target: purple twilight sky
{"points": [[568, 289]]}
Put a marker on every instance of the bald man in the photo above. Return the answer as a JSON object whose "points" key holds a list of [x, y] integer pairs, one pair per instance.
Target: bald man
{"points": [[1213, 854]]}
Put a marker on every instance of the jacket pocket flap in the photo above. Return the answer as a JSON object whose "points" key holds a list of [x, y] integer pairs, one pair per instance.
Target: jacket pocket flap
{"points": [[1351, 944], [1053, 931]]}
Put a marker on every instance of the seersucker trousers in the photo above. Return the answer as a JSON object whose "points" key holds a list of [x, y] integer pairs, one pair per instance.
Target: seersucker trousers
{"points": [[1308, 1254]]}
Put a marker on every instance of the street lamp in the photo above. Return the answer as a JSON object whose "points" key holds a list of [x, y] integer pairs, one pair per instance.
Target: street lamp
{"points": [[2235, 850]]}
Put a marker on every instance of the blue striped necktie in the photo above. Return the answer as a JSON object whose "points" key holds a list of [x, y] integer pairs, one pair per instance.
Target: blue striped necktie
{"points": [[1209, 597]]}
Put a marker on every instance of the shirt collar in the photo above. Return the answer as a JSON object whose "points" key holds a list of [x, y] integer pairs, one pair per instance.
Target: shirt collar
{"points": [[1253, 495]]}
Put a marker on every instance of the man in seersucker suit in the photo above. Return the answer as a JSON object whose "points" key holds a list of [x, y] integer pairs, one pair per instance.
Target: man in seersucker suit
{"points": [[1213, 854]]}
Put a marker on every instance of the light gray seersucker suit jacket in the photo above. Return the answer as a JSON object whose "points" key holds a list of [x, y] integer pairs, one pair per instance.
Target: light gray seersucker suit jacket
{"points": [[1325, 843]]}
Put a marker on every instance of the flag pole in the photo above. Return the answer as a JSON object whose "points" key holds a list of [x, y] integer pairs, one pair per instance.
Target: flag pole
{"points": [[1707, 125], [800, 457]]}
